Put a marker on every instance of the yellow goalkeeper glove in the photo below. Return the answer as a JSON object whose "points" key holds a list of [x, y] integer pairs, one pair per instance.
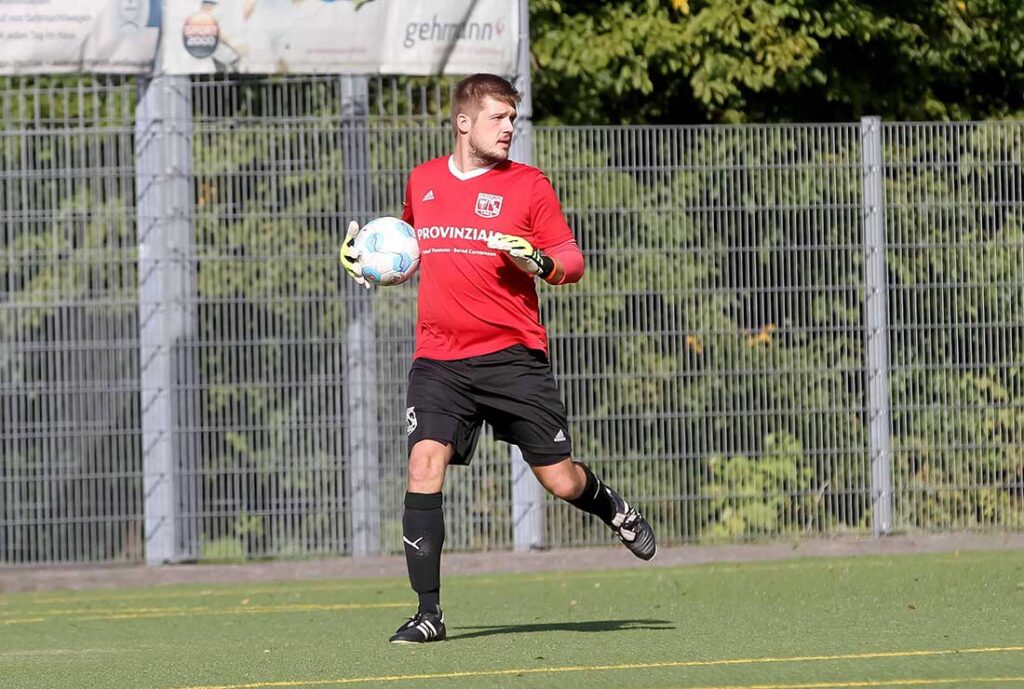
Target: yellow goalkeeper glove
{"points": [[523, 254], [350, 256]]}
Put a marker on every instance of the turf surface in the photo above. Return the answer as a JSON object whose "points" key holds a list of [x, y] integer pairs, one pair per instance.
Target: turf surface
{"points": [[945, 620]]}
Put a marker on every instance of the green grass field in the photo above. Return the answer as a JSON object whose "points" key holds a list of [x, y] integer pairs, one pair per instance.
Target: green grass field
{"points": [[945, 620]]}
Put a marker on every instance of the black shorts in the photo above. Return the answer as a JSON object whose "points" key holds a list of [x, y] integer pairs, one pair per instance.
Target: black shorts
{"points": [[513, 390]]}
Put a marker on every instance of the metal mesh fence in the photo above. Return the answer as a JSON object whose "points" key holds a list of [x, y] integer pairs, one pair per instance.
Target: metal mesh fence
{"points": [[69, 382], [713, 356], [715, 360], [955, 205]]}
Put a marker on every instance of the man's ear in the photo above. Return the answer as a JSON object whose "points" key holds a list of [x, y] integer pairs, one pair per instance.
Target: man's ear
{"points": [[463, 122]]}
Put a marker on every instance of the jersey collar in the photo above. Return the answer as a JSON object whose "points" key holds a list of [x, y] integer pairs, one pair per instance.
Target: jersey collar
{"points": [[463, 176]]}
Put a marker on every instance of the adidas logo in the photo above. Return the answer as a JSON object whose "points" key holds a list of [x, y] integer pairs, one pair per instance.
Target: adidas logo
{"points": [[429, 196], [560, 436]]}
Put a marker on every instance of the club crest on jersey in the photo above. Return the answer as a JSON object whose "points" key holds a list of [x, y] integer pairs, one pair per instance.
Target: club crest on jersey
{"points": [[488, 205]]}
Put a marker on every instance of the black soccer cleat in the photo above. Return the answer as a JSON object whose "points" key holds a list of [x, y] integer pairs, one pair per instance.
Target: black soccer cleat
{"points": [[421, 628], [632, 529]]}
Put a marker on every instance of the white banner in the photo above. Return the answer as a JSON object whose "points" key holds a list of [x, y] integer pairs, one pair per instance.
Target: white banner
{"points": [[53, 36], [453, 37], [259, 36], [339, 36]]}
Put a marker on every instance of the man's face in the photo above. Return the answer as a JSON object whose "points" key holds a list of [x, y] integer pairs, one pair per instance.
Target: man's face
{"points": [[490, 133]]}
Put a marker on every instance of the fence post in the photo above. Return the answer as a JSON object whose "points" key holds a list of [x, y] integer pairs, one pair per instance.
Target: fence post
{"points": [[164, 212], [527, 503], [527, 493], [361, 417], [877, 327]]}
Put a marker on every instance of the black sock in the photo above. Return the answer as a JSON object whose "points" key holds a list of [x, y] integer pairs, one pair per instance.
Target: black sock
{"points": [[423, 535], [595, 497]]}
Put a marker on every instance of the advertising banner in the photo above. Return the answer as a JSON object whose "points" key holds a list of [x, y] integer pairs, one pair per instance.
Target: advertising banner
{"points": [[462, 37], [258, 36], [60, 36], [339, 36]]}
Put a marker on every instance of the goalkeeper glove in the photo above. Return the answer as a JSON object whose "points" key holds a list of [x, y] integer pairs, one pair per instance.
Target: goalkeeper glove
{"points": [[523, 254], [350, 256]]}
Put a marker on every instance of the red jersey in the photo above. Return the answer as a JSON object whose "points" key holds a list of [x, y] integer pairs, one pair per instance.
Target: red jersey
{"points": [[473, 300]]}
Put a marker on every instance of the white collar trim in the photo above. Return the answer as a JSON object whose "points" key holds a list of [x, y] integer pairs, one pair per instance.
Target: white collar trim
{"points": [[463, 176]]}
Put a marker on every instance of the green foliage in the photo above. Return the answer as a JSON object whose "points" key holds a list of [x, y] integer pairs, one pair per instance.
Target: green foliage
{"points": [[635, 61], [601, 64], [44, 102], [771, 495]]}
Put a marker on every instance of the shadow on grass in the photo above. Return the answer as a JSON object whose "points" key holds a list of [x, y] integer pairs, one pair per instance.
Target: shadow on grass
{"points": [[594, 626]]}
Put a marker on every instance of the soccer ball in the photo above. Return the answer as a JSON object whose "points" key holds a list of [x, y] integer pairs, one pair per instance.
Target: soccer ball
{"points": [[388, 251]]}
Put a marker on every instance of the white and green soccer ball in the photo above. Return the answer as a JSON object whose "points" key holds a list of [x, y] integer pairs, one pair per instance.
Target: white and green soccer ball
{"points": [[388, 251]]}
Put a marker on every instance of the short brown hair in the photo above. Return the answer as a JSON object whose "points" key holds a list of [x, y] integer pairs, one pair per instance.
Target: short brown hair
{"points": [[471, 91]]}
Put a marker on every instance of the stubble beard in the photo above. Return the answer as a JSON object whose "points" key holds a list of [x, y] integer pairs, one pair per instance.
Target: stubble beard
{"points": [[483, 157]]}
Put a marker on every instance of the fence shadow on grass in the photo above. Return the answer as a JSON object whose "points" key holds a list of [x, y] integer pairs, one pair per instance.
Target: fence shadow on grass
{"points": [[591, 626]]}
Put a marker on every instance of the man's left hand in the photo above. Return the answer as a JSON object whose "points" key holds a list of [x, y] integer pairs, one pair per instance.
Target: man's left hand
{"points": [[523, 254], [350, 256]]}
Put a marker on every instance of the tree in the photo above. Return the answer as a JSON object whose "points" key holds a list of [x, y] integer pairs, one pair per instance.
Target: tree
{"points": [[677, 61]]}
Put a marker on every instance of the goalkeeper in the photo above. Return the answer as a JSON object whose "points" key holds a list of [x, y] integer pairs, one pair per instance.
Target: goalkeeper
{"points": [[488, 228]]}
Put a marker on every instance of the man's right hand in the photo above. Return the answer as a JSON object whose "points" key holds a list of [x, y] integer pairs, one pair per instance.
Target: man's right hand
{"points": [[350, 257]]}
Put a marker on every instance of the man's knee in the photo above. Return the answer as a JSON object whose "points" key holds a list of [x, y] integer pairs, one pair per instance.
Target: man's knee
{"points": [[427, 462], [564, 489], [563, 480]]}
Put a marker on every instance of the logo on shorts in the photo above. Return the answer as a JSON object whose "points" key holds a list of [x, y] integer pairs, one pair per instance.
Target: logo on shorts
{"points": [[410, 420], [560, 436], [488, 205]]}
